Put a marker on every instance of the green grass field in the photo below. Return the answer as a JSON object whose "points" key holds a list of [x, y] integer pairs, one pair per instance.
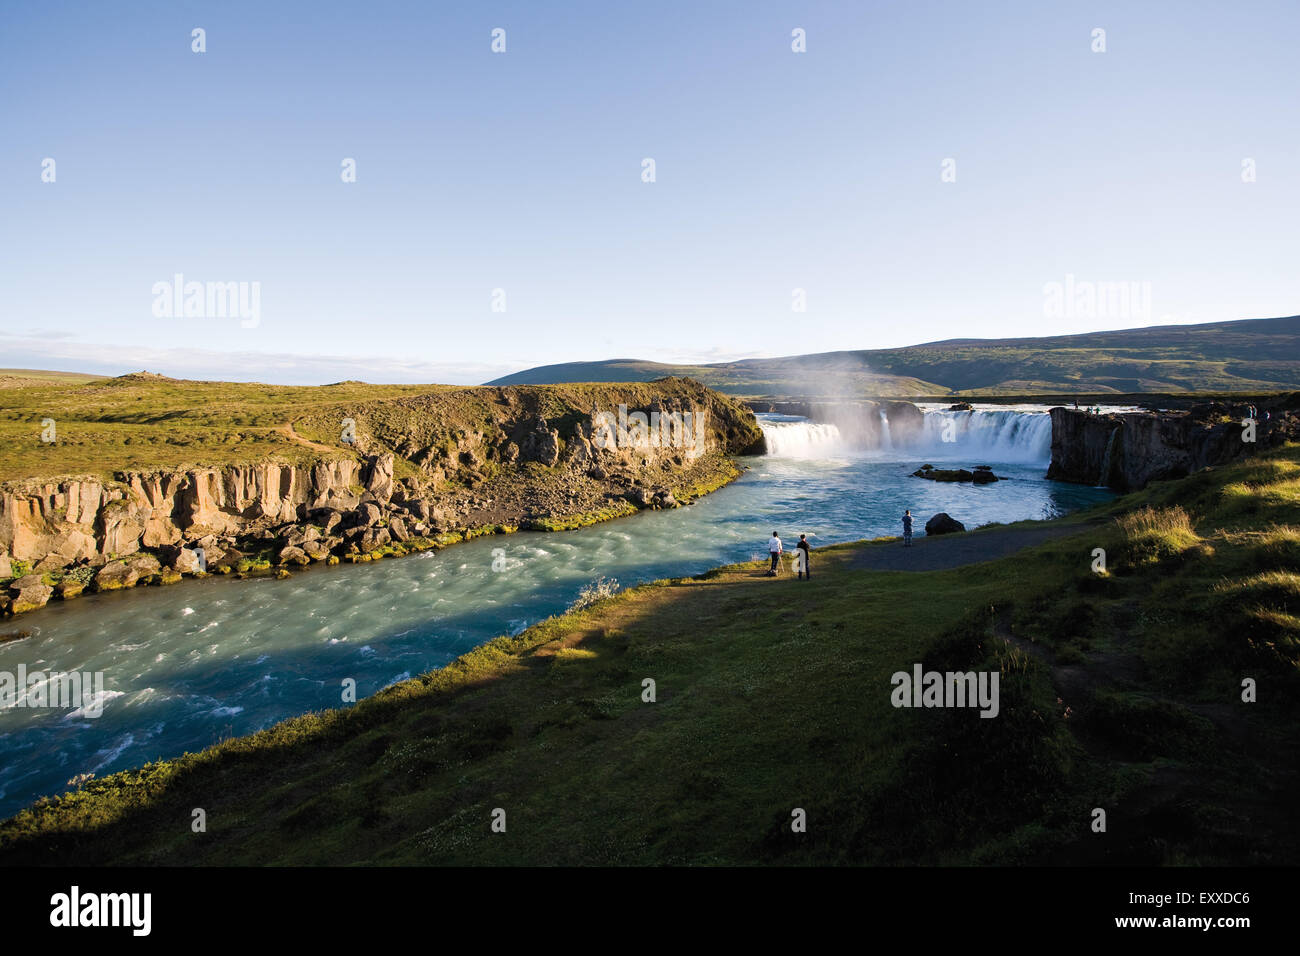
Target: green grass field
{"points": [[149, 424], [1119, 690]]}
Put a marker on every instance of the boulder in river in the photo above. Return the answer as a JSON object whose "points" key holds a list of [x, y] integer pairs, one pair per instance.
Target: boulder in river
{"points": [[291, 554], [980, 475], [125, 573], [29, 593]]}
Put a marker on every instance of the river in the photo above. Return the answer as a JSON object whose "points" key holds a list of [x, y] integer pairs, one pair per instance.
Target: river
{"points": [[187, 665]]}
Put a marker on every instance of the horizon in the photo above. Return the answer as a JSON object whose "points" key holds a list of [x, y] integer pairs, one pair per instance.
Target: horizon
{"points": [[926, 173], [119, 371]]}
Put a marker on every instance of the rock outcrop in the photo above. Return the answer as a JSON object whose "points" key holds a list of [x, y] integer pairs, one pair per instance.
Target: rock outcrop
{"points": [[1127, 450], [531, 458], [942, 523], [980, 474]]}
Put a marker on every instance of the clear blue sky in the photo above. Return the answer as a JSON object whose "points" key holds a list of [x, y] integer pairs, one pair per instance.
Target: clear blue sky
{"points": [[522, 171]]}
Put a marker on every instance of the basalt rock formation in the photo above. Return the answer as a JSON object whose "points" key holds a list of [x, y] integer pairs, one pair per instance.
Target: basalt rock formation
{"points": [[1127, 450], [413, 473]]}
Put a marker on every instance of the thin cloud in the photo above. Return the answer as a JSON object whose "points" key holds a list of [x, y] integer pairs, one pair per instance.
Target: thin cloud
{"points": [[270, 367]]}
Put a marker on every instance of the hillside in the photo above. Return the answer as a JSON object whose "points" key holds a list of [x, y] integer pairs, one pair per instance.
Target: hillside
{"points": [[144, 479], [1255, 355], [147, 422], [1119, 690], [28, 377]]}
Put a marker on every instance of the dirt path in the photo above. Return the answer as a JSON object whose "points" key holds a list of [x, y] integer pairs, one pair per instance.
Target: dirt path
{"points": [[939, 552], [288, 432]]}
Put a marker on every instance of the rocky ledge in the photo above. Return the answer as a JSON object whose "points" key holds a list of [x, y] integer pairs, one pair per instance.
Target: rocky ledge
{"points": [[1127, 450], [417, 474]]}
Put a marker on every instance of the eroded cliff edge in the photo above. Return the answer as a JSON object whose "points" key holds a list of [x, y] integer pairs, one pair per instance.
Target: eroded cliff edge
{"points": [[374, 478], [1127, 450]]}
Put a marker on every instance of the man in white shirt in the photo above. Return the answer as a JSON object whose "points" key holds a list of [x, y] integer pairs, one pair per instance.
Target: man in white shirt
{"points": [[774, 548]]}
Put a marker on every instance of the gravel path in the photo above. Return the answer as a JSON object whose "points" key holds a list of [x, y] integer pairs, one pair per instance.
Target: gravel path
{"points": [[935, 553]]}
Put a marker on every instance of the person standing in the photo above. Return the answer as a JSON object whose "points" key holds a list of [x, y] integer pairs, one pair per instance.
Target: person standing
{"points": [[907, 528], [774, 549], [805, 562]]}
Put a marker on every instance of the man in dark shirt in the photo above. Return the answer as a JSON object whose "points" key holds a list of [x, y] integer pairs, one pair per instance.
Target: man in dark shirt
{"points": [[807, 556], [907, 528]]}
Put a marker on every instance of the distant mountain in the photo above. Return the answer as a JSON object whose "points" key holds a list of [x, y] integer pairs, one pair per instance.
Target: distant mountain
{"points": [[1250, 355]]}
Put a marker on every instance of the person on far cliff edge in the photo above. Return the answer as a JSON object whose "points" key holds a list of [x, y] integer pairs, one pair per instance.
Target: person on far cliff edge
{"points": [[907, 528], [774, 548], [804, 565]]}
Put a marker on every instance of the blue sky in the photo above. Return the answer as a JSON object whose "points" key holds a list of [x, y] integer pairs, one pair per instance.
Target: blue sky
{"points": [[521, 171]]}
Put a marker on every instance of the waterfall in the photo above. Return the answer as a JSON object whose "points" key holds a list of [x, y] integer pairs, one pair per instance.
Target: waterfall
{"points": [[997, 435], [1104, 478], [886, 441], [798, 438], [982, 436]]}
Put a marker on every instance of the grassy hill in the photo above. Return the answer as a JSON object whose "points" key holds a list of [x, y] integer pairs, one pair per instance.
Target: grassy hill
{"points": [[27, 377], [831, 374], [150, 422], [1119, 690], [146, 422], [1256, 355]]}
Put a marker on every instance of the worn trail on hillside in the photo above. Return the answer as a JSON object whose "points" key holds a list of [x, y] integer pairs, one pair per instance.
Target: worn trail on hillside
{"points": [[940, 552], [288, 432]]}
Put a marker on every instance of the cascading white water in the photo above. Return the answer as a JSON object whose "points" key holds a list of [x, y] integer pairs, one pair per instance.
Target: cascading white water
{"points": [[802, 439], [982, 436], [886, 440], [1104, 477], [1001, 435]]}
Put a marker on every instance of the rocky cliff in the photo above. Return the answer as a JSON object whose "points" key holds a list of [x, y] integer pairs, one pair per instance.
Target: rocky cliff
{"points": [[1127, 450], [401, 475]]}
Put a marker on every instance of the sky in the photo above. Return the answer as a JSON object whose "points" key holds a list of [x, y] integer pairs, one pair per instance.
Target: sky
{"points": [[921, 171]]}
